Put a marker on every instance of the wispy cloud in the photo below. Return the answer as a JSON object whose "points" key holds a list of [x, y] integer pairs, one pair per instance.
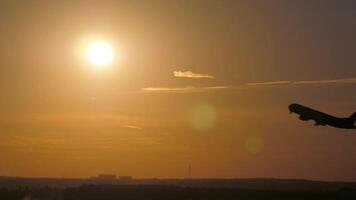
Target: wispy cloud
{"points": [[40, 142], [345, 80], [182, 89], [84, 120], [306, 82], [131, 127], [190, 74], [269, 84]]}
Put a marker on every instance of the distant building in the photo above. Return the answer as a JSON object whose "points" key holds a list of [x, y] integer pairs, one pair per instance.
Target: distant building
{"points": [[107, 177], [125, 178], [111, 179]]}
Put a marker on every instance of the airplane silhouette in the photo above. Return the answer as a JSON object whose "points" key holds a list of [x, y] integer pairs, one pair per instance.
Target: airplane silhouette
{"points": [[323, 119]]}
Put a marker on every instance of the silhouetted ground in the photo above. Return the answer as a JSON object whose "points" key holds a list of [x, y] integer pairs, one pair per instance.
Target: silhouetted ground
{"points": [[255, 184], [154, 192]]}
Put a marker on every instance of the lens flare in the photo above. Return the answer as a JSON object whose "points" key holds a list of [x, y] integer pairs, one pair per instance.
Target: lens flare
{"points": [[203, 116], [254, 144]]}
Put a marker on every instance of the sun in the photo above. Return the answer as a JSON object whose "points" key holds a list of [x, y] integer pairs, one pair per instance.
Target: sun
{"points": [[99, 53]]}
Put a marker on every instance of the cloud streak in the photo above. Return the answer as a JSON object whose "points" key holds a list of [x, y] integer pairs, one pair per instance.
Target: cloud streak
{"points": [[131, 127], [345, 80], [182, 89], [307, 82], [191, 89], [190, 74], [269, 83]]}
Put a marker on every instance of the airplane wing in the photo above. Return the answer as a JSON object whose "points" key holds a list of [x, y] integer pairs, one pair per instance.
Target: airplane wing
{"points": [[306, 114], [318, 122]]}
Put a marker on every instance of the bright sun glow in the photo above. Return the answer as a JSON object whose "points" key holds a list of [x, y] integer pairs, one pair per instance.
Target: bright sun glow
{"points": [[99, 53]]}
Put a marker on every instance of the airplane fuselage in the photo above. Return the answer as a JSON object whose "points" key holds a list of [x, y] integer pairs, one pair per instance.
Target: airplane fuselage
{"points": [[321, 118]]}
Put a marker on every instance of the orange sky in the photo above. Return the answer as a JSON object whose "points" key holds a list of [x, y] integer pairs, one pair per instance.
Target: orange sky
{"points": [[205, 83]]}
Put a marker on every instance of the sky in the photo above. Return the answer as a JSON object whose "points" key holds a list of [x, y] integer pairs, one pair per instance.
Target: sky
{"points": [[200, 83]]}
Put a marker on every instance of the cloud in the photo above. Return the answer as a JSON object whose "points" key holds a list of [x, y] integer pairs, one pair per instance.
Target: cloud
{"points": [[182, 89], [131, 127], [270, 83], [190, 74], [306, 82], [83, 120], [277, 84], [40, 142], [345, 80]]}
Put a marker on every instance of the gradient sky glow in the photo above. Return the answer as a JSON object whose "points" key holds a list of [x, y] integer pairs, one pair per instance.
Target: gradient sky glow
{"points": [[205, 83]]}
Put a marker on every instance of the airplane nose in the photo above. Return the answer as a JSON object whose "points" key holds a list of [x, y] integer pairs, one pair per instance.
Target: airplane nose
{"points": [[292, 108]]}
